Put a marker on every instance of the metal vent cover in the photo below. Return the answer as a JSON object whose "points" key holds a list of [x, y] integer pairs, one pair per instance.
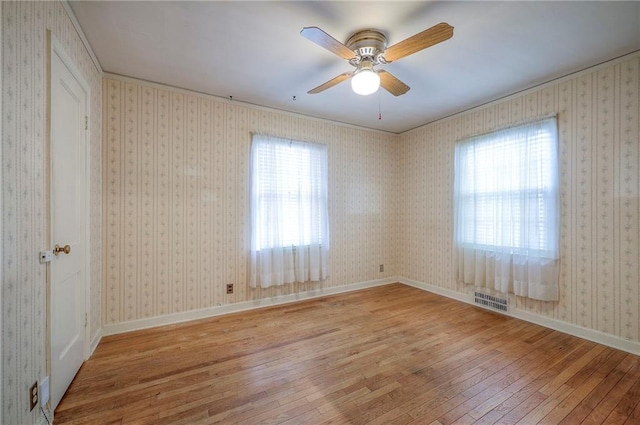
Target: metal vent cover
{"points": [[491, 301]]}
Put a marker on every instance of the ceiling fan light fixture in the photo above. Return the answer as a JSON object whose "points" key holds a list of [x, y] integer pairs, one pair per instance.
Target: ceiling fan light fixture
{"points": [[367, 48], [365, 80]]}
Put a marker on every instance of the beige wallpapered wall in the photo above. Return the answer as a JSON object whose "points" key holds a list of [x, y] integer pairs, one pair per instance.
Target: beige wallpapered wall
{"points": [[24, 83], [176, 167], [175, 199], [600, 183], [174, 184]]}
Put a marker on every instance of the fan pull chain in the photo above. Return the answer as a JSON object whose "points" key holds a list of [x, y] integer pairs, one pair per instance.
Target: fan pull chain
{"points": [[379, 107]]}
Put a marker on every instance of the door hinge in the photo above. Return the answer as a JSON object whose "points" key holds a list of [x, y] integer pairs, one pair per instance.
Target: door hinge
{"points": [[86, 320], [86, 122]]}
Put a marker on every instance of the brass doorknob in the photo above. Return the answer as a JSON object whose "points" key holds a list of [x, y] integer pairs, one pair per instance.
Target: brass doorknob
{"points": [[64, 249]]}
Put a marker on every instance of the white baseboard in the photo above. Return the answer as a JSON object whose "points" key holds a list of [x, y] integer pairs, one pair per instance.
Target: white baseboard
{"points": [[94, 342], [613, 341], [609, 340], [186, 316], [449, 293], [45, 420]]}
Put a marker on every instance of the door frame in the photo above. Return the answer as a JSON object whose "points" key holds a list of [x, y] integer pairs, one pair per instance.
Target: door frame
{"points": [[56, 48]]}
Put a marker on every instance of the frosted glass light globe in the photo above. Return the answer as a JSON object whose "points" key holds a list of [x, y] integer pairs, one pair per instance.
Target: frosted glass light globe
{"points": [[365, 81]]}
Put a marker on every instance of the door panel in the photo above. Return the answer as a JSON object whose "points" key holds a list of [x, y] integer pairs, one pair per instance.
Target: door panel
{"points": [[68, 225]]}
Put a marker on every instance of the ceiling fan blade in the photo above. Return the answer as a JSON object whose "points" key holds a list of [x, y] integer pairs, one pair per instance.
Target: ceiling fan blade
{"points": [[427, 38], [392, 84], [323, 39], [334, 81]]}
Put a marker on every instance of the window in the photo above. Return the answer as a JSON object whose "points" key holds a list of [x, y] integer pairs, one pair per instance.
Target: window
{"points": [[289, 220], [506, 209]]}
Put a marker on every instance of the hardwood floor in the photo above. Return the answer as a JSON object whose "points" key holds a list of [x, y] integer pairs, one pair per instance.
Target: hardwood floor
{"points": [[387, 355]]}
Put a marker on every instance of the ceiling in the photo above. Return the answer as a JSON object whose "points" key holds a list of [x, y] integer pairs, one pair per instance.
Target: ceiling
{"points": [[254, 52]]}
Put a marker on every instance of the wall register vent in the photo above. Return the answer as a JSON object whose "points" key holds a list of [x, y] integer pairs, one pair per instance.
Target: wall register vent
{"points": [[490, 301]]}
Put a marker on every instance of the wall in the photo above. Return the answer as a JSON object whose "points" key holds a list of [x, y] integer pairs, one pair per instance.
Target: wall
{"points": [[24, 138], [175, 200], [600, 183], [175, 197]]}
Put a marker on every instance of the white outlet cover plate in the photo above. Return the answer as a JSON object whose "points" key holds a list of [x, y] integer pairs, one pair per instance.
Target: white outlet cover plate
{"points": [[46, 256]]}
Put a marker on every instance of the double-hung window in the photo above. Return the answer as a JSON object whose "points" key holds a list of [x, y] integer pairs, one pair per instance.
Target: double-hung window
{"points": [[289, 218], [506, 210]]}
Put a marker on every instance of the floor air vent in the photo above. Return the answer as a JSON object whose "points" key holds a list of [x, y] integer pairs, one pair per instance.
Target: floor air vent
{"points": [[490, 301]]}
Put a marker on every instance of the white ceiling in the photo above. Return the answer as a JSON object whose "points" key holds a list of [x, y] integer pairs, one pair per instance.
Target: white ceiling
{"points": [[254, 52]]}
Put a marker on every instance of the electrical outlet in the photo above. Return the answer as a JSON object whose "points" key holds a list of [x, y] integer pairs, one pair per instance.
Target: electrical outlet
{"points": [[381, 268], [33, 395], [230, 288]]}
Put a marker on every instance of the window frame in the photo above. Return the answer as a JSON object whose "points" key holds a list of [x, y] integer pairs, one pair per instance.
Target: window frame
{"points": [[317, 161], [548, 192]]}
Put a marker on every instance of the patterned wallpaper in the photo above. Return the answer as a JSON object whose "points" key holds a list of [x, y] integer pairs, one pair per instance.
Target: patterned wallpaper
{"points": [[169, 187], [175, 199], [24, 83], [598, 113]]}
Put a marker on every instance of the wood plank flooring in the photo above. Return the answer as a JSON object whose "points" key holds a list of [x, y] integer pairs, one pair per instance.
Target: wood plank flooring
{"points": [[386, 355]]}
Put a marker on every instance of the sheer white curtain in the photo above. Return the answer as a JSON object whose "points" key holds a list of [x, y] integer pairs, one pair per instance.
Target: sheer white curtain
{"points": [[506, 205], [289, 218]]}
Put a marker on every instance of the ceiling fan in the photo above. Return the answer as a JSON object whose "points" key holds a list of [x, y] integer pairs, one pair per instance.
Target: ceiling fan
{"points": [[368, 48]]}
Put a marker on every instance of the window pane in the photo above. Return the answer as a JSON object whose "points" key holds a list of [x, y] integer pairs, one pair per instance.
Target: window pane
{"points": [[506, 189], [289, 193]]}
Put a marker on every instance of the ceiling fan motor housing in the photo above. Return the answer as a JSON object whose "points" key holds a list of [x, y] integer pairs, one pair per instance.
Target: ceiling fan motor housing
{"points": [[369, 44]]}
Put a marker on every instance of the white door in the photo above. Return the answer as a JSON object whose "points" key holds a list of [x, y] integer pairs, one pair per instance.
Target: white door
{"points": [[68, 223]]}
